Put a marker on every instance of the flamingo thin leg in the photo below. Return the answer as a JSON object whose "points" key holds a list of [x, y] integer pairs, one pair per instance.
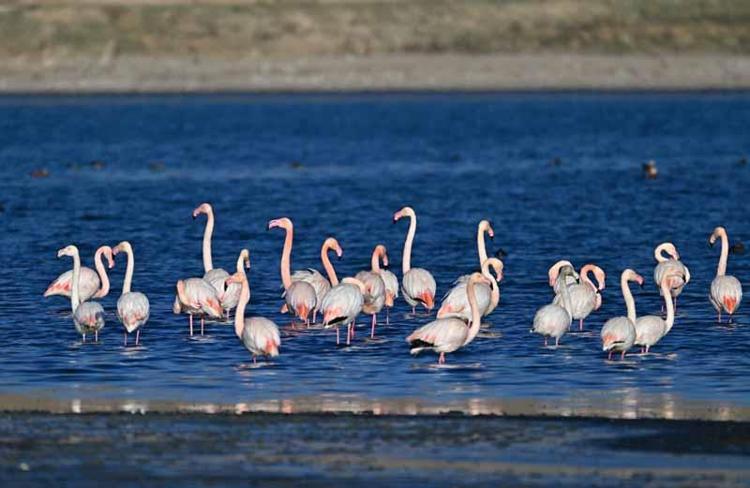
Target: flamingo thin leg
{"points": [[137, 336], [125, 334], [191, 325], [374, 321], [203, 320]]}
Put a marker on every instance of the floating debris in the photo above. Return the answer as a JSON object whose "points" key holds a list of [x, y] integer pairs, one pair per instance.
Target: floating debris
{"points": [[737, 248], [157, 166], [742, 161], [500, 253], [97, 164], [649, 170], [296, 165], [555, 161], [40, 173]]}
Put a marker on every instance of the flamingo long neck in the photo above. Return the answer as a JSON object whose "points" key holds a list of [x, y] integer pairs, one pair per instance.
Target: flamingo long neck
{"points": [[565, 293], [629, 301], [239, 314], [584, 275], [481, 248], [375, 261], [128, 271], [208, 233], [721, 270], [328, 266], [75, 297], [659, 253], [240, 262], [102, 271], [286, 257], [668, 303], [476, 315], [406, 264]]}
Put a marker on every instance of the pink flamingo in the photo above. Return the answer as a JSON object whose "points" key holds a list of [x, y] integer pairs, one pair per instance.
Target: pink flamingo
{"points": [[299, 295], [91, 284], [132, 306], [618, 334], [672, 266], [449, 334], [196, 296], [554, 272], [374, 285], [483, 228], [417, 284], [319, 282], [229, 295], [554, 320], [259, 335], [650, 329], [88, 317], [456, 302], [726, 290], [391, 291], [342, 305], [585, 297]]}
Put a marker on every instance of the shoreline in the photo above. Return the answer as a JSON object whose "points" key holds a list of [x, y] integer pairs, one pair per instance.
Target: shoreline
{"points": [[395, 73]]}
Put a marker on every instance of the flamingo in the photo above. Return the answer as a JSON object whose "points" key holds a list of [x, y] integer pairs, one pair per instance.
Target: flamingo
{"points": [[618, 334], [671, 265], [585, 297], [649, 329], [554, 272], [132, 306], [391, 291], [342, 305], [483, 227], [317, 280], [88, 317], [417, 284], [259, 335], [726, 290], [554, 320], [449, 334], [456, 302], [299, 295], [91, 284], [374, 285], [228, 295], [196, 296]]}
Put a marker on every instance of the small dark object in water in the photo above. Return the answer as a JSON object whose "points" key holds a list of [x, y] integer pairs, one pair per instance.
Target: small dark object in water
{"points": [[555, 161], [157, 166], [500, 253], [97, 164], [737, 248], [296, 165], [649, 170], [455, 157], [40, 173], [742, 161]]}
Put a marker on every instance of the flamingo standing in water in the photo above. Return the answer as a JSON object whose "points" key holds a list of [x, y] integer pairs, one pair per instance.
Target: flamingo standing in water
{"points": [[585, 297], [554, 320], [672, 266], [375, 292], [726, 290], [449, 334], [91, 284], [391, 291], [618, 334], [88, 317], [196, 296], [649, 329], [456, 301], [132, 306], [299, 295], [259, 335], [319, 282], [229, 295], [342, 305], [554, 273], [417, 284]]}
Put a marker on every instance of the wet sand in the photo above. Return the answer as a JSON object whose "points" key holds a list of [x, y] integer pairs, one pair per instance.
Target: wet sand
{"points": [[383, 72]]}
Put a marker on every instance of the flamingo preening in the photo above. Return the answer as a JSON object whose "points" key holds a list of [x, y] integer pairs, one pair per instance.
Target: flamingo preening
{"points": [[88, 317], [585, 297], [679, 274], [375, 291], [91, 284], [132, 306], [618, 334], [456, 302], [196, 296], [417, 284], [726, 290], [650, 329], [342, 305], [320, 283], [554, 272], [554, 320]]}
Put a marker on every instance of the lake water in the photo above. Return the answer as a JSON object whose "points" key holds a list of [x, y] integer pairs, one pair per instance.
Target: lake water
{"points": [[341, 165]]}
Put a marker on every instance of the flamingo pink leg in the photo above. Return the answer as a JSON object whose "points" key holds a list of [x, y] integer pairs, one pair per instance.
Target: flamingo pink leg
{"points": [[387, 316], [622, 356], [202, 322], [441, 359], [96, 336], [374, 321], [125, 334], [580, 324], [338, 341], [349, 334], [315, 315], [137, 336], [191, 325]]}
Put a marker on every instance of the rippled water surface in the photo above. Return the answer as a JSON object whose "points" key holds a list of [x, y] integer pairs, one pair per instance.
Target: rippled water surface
{"points": [[341, 166]]}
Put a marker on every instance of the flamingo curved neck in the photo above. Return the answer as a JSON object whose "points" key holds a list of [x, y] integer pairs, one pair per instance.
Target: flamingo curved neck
{"points": [[629, 301], [659, 253], [128, 271], [476, 316], [208, 233], [375, 261], [286, 257], [102, 271], [721, 270], [406, 263], [328, 266], [239, 314], [565, 293], [481, 248], [668, 304], [75, 296]]}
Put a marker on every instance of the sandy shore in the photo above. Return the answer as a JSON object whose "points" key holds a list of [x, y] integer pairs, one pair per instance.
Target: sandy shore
{"points": [[379, 73]]}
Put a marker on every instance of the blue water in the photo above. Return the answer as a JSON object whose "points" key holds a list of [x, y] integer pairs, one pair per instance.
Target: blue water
{"points": [[341, 165]]}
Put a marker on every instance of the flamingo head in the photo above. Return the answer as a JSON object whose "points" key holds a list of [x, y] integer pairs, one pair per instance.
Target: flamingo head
{"points": [[486, 226], [68, 251], [667, 247], [282, 222], [108, 253], [244, 258], [608, 341], [404, 212], [715, 235], [554, 271], [381, 251], [630, 275], [332, 243], [203, 208], [124, 246], [498, 266]]}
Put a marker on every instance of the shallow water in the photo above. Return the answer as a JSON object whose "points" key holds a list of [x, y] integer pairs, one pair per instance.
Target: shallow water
{"points": [[341, 165]]}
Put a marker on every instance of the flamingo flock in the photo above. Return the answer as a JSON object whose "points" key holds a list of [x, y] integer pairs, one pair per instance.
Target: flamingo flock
{"points": [[309, 293]]}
